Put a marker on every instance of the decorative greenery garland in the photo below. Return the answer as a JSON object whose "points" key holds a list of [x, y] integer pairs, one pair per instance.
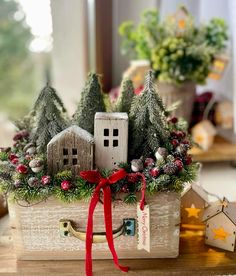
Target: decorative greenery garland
{"points": [[166, 167]]}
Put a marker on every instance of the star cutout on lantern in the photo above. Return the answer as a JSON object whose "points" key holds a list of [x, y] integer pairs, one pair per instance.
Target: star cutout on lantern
{"points": [[193, 211], [220, 234], [137, 77]]}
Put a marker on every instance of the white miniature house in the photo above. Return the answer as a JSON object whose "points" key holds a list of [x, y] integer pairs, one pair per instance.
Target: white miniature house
{"points": [[71, 149], [220, 219], [111, 139]]}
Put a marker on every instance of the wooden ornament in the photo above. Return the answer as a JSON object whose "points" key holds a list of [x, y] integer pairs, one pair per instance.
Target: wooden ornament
{"points": [[111, 139], [136, 72], [203, 134], [218, 67], [220, 219], [224, 116], [71, 149], [193, 202]]}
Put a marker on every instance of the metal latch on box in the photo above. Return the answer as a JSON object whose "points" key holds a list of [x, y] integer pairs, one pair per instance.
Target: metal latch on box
{"points": [[127, 228]]}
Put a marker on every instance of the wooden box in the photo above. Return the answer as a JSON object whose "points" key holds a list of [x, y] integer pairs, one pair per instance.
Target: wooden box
{"points": [[36, 233]]}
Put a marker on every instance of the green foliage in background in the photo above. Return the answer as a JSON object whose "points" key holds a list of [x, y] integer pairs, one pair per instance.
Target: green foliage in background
{"points": [[16, 67], [177, 49]]}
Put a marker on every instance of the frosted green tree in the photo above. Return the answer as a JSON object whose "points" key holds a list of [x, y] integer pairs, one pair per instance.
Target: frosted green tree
{"points": [[148, 121], [126, 96], [91, 102], [49, 117]]}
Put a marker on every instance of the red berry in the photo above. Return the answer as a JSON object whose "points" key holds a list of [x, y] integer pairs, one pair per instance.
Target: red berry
{"points": [[180, 134], [12, 156], [154, 172], [65, 185], [175, 142], [174, 134], [179, 164], [17, 136], [15, 161], [148, 162], [46, 179], [125, 189], [186, 142], [188, 160], [21, 168], [174, 120]]}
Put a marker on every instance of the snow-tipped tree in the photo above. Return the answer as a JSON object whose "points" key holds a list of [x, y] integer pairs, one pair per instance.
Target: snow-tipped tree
{"points": [[126, 96], [49, 118], [148, 122], [91, 102]]}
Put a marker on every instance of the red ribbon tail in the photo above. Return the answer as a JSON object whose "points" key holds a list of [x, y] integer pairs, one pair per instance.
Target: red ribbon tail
{"points": [[108, 225], [89, 234], [143, 189]]}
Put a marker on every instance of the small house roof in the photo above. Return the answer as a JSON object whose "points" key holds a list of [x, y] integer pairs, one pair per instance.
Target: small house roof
{"points": [[205, 125], [111, 115], [84, 134], [228, 208], [197, 189]]}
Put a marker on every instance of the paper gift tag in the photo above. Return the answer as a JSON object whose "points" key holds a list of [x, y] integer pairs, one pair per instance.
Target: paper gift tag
{"points": [[143, 228]]}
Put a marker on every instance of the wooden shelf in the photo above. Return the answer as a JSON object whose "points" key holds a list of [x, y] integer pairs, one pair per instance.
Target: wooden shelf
{"points": [[195, 259], [222, 150]]}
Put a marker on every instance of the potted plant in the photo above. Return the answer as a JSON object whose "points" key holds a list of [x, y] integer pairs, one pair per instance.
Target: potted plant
{"points": [[181, 53]]}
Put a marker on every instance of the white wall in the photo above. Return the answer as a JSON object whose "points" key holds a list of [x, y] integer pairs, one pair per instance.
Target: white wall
{"points": [[125, 10], [69, 56]]}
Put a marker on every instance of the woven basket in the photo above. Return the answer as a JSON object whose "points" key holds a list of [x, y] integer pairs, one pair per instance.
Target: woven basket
{"points": [[185, 93]]}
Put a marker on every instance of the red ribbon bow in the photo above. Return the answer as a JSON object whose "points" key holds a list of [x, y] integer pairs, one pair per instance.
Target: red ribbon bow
{"points": [[104, 184]]}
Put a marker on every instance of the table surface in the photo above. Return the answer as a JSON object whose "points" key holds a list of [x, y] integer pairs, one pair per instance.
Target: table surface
{"points": [[195, 259], [221, 150]]}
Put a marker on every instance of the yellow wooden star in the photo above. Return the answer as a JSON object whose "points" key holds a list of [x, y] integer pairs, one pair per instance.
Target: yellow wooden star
{"points": [[193, 211], [220, 234]]}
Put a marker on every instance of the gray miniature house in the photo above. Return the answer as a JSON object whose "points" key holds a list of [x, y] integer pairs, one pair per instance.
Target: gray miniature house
{"points": [[71, 149], [220, 219], [111, 139]]}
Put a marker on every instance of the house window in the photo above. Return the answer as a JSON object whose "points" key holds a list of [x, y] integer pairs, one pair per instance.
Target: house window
{"points": [[74, 161], [65, 161], [65, 151], [74, 151], [106, 143], [115, 132], [106, 132], [115, 143]]}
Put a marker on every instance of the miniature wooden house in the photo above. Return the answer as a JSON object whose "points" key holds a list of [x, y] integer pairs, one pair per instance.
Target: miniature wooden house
{"points": [[224, 117], [203, 134], [71, 149], [136, 72], [193, 202], [111, 139], [220, 221]]}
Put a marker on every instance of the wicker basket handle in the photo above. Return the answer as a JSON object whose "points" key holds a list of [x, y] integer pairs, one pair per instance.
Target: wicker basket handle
{"points": [[67, 230]]}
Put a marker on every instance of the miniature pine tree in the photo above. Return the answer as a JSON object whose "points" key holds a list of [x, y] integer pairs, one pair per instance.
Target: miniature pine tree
{"points": [[126, 96], [49, 119], [148, 121], [91, 102]]}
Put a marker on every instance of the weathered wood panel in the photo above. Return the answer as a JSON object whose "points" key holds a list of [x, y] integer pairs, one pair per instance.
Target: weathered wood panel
{"points": [[70, 150], [111, 139], [36, 229]]}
